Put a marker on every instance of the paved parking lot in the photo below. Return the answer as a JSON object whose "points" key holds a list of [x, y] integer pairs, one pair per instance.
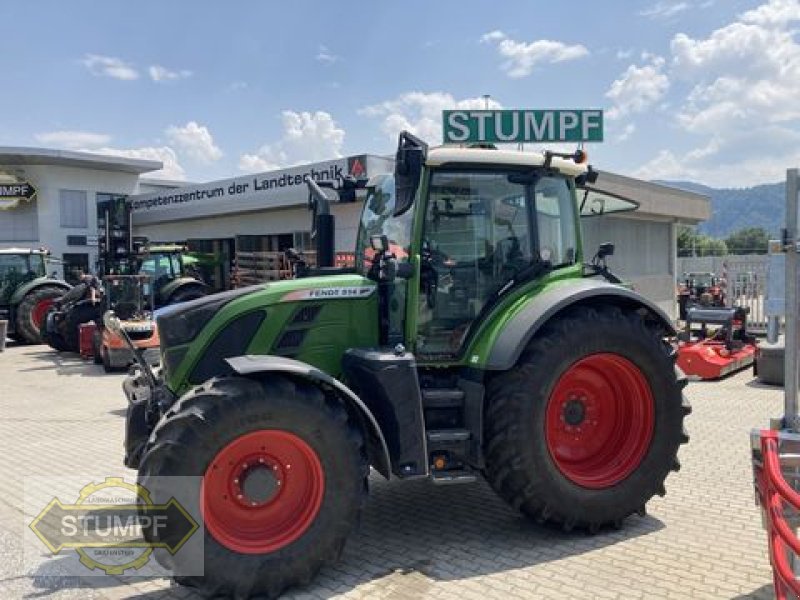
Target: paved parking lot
{"points": [[59, 415]]}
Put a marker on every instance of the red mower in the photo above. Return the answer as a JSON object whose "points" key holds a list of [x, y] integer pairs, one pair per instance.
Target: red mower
{"points": [[706, 354]]}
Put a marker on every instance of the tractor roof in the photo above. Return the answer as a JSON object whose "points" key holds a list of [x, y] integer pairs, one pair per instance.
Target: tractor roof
{"points": [[23, 251], [442, 155], [166, 248]]}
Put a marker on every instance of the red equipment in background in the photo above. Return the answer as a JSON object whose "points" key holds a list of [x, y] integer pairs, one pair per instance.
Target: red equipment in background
{"points": [[773, 493], [730, 348], [86, 339]]}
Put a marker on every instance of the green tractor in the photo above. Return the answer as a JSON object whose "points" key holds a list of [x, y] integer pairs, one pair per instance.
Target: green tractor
{"points": [[469, 341], [171, 270], [26, 292]]}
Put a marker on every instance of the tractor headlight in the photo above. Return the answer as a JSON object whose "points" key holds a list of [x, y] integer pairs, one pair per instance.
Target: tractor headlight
{"points": [[180, 324]]}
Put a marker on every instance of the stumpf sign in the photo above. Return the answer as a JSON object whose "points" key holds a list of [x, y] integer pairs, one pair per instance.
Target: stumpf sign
{"points": [[519, 126]]}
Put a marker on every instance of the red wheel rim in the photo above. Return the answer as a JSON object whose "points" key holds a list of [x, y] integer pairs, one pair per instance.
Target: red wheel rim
{"points": [[262, 491], [40, 310], [599, 420]]}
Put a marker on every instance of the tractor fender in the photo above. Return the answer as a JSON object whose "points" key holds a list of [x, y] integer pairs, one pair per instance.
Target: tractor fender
{"points": [[25, 289], [179, 284], [521, 328], [252, 365]]}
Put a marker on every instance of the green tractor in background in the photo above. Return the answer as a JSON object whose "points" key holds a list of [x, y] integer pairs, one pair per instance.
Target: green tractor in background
{"points": [[469, 341], [26, 292], [172, 271]]}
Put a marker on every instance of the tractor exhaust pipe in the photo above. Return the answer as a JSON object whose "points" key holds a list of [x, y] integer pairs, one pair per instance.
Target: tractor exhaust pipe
{"points": [[323, 226]]}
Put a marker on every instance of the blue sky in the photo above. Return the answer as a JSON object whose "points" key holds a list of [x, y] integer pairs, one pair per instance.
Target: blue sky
{"points": [[704, 90]]}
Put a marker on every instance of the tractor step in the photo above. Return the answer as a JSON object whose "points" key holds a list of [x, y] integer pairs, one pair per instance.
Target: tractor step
{"points": [[448, 435], [452, 477], [442, 398]]}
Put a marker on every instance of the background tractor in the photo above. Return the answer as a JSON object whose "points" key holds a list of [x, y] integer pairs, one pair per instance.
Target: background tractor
{"points": [[700, 289], [26, 292], [486, 348], [172, 272]]}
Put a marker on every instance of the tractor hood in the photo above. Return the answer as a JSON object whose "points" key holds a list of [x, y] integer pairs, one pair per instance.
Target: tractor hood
{"points": [[307, 318]]}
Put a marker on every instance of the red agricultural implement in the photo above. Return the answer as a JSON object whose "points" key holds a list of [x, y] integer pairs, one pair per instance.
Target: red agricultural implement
{"points": [[711, 354], [776, 451]]}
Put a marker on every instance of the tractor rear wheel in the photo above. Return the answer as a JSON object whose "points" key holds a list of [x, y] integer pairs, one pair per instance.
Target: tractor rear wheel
{"points": [[284, 478], [32, 311], [587, 426]]}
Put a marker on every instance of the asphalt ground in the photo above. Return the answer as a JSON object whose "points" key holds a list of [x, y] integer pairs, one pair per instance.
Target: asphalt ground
{"points": [[60, 415]]}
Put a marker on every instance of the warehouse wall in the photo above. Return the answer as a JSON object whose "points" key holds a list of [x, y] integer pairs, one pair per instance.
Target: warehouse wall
{"points": [[645, 254], [256, 223]]}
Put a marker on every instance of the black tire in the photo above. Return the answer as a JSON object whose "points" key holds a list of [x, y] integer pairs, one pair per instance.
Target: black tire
{"points": [[80, 313], [184, 294], [97, 347], [27, 329], [519, 463], [206, 420], [106, 360]]}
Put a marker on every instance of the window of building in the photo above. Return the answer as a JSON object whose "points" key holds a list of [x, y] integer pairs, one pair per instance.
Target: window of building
{"points": [[74, 212], [20, 224], [76, 240]]}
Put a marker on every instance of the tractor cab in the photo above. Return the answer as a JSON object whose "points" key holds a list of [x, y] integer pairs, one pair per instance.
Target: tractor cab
{"points": [[172, 272], [478, 227]]}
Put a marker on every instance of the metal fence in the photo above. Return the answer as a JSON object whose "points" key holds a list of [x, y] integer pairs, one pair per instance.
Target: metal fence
{"points": [[744, 279]]}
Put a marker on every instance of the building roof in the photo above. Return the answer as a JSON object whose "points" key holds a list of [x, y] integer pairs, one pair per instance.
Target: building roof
{"points": [[656, 199], [12, 155]]}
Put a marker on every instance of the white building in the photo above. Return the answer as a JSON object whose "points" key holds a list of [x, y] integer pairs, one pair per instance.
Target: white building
{"points": [[62, 215]]}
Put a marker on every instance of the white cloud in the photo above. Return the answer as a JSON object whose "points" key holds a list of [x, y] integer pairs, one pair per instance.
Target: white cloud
{"points": [[665, 10], [626, 133], [171, 170], [324, 55], [109, 66], [743, 81], [159, 74], [73, 139], [522, 57], [307, 137], [638, 88], [420, 113], [195, 141]]}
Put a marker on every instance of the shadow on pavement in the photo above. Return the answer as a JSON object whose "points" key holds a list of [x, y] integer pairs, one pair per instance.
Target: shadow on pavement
{"points": [[763, 593], [64, 363], [755, 383], [414, 534]]}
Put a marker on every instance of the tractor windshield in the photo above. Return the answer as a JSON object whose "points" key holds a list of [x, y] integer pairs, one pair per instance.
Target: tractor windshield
{"points": [[377, 219]]}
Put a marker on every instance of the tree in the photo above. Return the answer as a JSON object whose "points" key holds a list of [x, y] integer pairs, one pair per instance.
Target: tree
{"points": [[691, 243], [750, 240]]}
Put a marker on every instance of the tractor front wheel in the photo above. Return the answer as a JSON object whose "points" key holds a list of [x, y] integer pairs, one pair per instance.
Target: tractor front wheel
{"points": [[586, 428], [32, 311], [284, 477]]}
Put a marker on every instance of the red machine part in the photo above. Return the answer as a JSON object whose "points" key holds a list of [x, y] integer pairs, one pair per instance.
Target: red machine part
{"points": [[86, 339], [773, 493], [710, 359]]}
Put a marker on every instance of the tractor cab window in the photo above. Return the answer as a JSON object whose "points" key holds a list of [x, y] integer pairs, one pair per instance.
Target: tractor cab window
{"points": [[555, 221], [377, 219], [478, 235]]}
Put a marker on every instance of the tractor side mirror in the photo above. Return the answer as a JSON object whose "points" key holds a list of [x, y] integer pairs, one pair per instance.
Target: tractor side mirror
{"points": [[605, 250], [379, 243], [410, 158]]}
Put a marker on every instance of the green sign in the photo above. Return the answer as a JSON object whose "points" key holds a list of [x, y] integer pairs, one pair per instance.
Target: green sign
{"points": [[517, 126]]}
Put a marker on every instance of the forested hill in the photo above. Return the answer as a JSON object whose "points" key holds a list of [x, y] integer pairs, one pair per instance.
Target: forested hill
{"points": [[736, 208]]}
